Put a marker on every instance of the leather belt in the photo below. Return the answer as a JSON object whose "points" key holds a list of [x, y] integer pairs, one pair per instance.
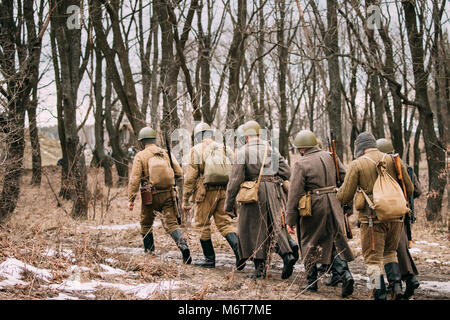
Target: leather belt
{"points": [[331, 189], [268, 178], [213, 187]]}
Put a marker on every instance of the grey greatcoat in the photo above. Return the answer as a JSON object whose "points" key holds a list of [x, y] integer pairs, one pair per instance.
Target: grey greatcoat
{"points": [[258, 222], [325, 227]]}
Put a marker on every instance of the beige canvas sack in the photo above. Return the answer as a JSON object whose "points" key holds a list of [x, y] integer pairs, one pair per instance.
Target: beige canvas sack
{"points": [[388, 202], [248, 192]]}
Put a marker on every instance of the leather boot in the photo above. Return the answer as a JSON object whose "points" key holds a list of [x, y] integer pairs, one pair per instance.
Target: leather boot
{"points": [[380, 293], [182, 245], [335, 278], [395, 280], [294, 248], [311, 278], [149, 245], [288, 265], [260, 270], [233, 242], [344, 273], [411, 284], [208, 252]]}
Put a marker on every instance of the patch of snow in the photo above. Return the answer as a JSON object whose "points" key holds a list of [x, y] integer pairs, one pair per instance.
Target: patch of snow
{"points": [[63, 296], [443, 287], [11, 282], [75, 285], [116, 226], [127, 250], [12, 269], [433, 261], [111, 271], [66, 253], [110, 260], [143, 291], [415, 250]]}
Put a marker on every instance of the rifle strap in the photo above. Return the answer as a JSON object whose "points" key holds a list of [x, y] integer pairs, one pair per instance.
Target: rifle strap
{"points": [[262, 166]]}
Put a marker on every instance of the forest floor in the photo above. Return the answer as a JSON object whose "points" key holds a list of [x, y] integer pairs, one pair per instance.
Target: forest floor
{"points": [[45, 254]]}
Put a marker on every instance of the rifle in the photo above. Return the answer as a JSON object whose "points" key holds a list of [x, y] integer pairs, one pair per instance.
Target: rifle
{"points": [[332, 148], [175, 192], [408, 219]]}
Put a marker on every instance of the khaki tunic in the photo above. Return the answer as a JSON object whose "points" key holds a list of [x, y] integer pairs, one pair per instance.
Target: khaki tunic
{"points": [[259, 222], [325, 227], [211, 204], [163, 200], [362, 172]]}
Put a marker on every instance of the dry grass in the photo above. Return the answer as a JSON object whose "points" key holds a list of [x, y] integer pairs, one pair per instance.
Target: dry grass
{"points": [[38, 224]]}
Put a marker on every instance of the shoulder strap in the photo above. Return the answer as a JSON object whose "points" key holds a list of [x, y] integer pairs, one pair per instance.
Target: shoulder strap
{"points": [[262, 166], [369, 202]]}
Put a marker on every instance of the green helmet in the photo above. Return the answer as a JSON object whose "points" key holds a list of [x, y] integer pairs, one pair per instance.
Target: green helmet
{"points": [[385, 145], [202, 126], [305, 139], [240, 134], [147, 133], [251, 128]]}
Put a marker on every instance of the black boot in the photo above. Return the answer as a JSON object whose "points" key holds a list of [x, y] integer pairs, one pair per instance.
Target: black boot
{"points": [[395, 280], [294, 248], [344, 273], [380, 293], [208, 252], [335, 278], [233, 241], [411, 284], [182, 245], [288, 265], [311, 278], [260, 270], [149, 245]]}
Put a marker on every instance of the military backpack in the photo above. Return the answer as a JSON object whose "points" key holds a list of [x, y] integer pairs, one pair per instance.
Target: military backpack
{"points": [[217, 165], [160, 171]]}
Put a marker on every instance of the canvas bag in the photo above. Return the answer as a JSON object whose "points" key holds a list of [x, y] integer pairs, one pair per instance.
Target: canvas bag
{"points": [[217, 166], [160, 171], [304, 204], [248, 192], [388, 202]]}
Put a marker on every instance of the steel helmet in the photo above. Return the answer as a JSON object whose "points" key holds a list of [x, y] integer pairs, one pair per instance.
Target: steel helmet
{"points": [[385, 145], [146, 133], [305, 139], [251, 128], [202, 126]]}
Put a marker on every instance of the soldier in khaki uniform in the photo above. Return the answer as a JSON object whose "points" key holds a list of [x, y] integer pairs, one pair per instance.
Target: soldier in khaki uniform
{"points": [[209, 199], [163, 200], [362, 173], [408, 269]]}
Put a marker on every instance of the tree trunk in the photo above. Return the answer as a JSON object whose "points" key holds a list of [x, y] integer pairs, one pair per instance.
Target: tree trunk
{"points": [[282, 61], [34, 139], [236, 56], [334, 100], [434, 149]]}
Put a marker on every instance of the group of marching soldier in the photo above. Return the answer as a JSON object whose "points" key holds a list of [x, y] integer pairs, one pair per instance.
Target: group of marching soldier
{"points": [[312, 200]]}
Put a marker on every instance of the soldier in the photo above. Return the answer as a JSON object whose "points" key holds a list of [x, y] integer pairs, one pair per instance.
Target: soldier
{"points": [[260, 221], [283, 197], [162, 199], [406, 263], [211, 202], [314, 174], [362, 173]]}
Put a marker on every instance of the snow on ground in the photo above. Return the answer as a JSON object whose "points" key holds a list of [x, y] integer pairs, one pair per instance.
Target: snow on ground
{"points": [[443, 287], [122, 226], [437, 261], [116, 226], [110, 271], [143, 291], [415, 250], [66, 253], [12, 270]]}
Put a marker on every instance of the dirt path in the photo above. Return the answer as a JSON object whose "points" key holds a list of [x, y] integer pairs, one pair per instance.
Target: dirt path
{"points": [[45, 254]]}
